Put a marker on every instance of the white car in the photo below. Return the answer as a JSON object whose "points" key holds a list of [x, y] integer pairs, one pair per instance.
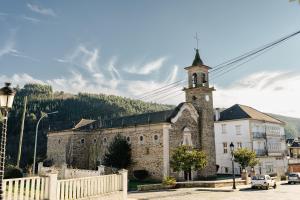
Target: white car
{"points": [[294, 178], [263, 181]]}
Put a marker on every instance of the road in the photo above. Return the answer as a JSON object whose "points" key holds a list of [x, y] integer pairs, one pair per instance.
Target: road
{"points": [[282, 192]]}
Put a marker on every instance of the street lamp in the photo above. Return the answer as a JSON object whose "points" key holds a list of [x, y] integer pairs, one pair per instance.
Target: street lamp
{"points": [[36, 134], [7, 95], [232, 160]]}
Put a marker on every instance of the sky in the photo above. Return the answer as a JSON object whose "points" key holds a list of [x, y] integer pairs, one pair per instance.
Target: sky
{"points": [[131, 47]]}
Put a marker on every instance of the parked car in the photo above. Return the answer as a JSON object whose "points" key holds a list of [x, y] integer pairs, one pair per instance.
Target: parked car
{"points": [[294, 178], [263, 181]]}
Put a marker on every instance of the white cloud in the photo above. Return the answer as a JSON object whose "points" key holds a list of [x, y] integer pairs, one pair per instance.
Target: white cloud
{"points": [[84, 57], [31, 19], [274, 92], [41, 10], [9, 48], [147, 68], [172, 77]]}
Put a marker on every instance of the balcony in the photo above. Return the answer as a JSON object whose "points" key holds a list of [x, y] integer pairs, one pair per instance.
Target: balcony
{"points": [[260, 152], [294, 161], [259, 135]]}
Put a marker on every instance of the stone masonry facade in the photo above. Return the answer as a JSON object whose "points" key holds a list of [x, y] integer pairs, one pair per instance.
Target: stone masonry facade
{"points": [[152, 136]]}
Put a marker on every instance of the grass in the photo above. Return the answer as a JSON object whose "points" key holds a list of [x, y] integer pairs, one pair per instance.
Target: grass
{"points": [[132, 185]]}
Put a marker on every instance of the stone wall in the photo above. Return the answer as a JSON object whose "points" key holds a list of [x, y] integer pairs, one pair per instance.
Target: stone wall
{"points": [[176, 134], [202, 100], [85, 150]]}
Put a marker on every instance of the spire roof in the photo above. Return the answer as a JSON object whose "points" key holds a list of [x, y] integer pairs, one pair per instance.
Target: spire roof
{"points": [[197, 60]]}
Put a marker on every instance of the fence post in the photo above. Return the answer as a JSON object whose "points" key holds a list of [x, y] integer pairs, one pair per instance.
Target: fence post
{"points": [[52, 186], [40, 166], [101, 169], [124, 173], [64, 168]]}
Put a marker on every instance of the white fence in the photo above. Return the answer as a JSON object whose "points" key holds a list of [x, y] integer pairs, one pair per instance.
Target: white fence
{"points": [[66, 173], [50, 188], [26, 188]]}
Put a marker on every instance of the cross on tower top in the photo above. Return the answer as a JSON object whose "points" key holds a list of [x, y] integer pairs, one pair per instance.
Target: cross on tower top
{"points": [[197, 39]]}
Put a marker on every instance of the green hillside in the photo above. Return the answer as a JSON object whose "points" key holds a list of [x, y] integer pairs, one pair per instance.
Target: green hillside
{"points": [[71, 109], [292, 127]]}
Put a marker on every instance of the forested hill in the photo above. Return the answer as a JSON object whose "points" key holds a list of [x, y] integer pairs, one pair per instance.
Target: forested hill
{"points": [[71, 108], [292, 126]]}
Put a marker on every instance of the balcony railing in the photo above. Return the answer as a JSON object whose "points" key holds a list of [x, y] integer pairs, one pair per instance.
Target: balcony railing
{"points": [[259, 135], [260, 152]]}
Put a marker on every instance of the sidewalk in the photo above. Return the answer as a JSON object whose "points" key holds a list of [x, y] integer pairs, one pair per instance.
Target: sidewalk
{"points": [[181, 192]]}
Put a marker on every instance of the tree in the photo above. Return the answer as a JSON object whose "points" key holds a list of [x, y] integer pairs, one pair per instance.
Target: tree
{"points": [[185, 158], [245, 157], [118, 153]]}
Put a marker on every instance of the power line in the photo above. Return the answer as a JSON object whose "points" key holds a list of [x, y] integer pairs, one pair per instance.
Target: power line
{"points": [[239, 65], [145, 94], [162, 95], [222, 67], [253, 52], [162, 90]]}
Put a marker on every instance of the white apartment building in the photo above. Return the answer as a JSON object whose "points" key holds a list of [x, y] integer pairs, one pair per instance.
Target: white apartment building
{"points": [[249, 128]]}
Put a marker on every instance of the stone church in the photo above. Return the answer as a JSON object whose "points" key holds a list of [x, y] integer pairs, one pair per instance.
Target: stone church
{"points": [[152, 136]]}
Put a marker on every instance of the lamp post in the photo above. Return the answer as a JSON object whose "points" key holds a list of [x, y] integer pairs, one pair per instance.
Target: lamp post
{"points": [[232, 161], [7, 95], [36, 135]]}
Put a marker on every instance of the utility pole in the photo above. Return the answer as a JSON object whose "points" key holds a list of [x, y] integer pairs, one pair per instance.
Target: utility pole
{"points": [[21, 132]]}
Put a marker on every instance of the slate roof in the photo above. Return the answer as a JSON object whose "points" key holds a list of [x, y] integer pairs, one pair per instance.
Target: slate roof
{"points": [[295, 144], [133, 120], [238, 111], [197, 60]]}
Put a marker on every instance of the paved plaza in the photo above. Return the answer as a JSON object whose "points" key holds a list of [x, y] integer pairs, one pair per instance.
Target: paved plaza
{"points": [[282, 192]]}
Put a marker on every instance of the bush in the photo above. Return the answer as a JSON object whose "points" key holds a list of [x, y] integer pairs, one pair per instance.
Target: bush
{"points": [[169, 181], [140, 174], [283, 178], [48, 163], [13, 172]]}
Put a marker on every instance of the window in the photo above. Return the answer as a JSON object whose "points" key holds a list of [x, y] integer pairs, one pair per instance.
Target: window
{"points": [[105, 140], [141, 139], [59, 141], [223, 128], [155, 139], [194, 80], [82, 141], [203, 78], [95, 141], [187, 137], [269, 169], [225, 148], [128, 139], [238, 129], [239, 145], [226, 170]]}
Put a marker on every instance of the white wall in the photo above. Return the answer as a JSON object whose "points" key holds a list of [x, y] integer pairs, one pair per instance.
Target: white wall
{"points": [[274, 144], [224, 159]]}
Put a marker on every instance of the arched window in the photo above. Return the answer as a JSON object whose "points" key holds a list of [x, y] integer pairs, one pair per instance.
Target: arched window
{"points": [[203, 78], [187, 137], [141, 139], [194, 80]]}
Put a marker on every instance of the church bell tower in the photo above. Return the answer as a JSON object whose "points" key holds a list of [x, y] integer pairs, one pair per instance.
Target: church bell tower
{"points": [[199, 94]]}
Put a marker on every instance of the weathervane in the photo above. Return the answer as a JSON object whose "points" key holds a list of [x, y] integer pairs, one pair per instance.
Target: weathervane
{"points": [[197, 39]]}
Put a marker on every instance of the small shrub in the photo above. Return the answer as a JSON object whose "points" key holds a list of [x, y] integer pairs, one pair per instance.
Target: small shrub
{"points": [[283, 178], [13, 172], [140, 174], [48, 163], [169, 181]]}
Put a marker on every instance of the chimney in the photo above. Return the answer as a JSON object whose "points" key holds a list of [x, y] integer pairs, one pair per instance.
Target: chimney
{"points": [[217, 114]]}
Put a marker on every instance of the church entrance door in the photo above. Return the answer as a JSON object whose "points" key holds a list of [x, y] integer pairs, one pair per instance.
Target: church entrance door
{"points": [[188, 175]]}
